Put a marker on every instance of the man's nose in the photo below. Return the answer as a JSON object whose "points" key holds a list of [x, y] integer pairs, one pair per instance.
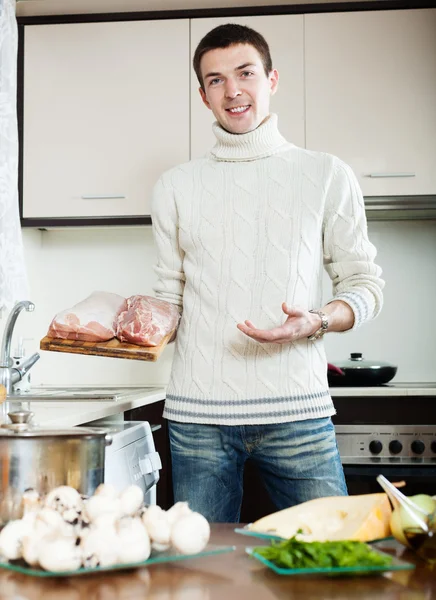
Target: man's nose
{"points": [[232, 89]]}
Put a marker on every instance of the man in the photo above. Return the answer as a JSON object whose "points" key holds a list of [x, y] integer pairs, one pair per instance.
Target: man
{"points": [[242, 236]]}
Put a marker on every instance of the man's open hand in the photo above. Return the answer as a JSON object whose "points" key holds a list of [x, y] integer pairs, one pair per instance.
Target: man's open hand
{"points": [[300, 323]]}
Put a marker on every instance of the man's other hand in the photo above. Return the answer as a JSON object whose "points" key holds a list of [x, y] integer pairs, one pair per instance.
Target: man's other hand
{"points": [[300, 323]]}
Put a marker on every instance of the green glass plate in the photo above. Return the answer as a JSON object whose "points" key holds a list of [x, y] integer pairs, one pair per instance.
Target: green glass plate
{"points": [[161, 557], [396, 565], [278, 538], [257, 534]]}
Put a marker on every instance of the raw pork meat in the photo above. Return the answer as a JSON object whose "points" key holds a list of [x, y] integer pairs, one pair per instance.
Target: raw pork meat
{"points": [[146, 321], [91, 320]]}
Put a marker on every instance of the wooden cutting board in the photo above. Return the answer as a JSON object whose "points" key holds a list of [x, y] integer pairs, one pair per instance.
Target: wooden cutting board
{"points": [[112, 348]]}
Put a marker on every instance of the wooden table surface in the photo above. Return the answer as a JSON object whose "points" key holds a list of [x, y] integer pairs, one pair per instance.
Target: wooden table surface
{"points": [[233, 576]]}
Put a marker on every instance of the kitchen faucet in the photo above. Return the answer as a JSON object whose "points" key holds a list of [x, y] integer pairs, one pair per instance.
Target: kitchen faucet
{"points": [[10, 375]]}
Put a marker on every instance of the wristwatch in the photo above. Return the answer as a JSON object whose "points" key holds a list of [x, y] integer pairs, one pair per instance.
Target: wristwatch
{"points": [[324, 326]]}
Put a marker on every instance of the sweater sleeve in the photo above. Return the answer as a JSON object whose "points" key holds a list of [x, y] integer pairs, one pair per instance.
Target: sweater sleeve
{"points": [[348, 253], [169, 267]]}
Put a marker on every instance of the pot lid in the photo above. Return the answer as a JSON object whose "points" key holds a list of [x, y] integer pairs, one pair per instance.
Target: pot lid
{"points": [[20, 426], [357, 361]]}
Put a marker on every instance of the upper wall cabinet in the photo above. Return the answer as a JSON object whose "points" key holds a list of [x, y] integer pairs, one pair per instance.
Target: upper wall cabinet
{"points": [[106, 110], [284, 34], [371, 96]]}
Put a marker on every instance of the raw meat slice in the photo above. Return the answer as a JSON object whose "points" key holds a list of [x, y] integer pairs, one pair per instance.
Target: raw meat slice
{"points": [[91, 320], [146, 321]]}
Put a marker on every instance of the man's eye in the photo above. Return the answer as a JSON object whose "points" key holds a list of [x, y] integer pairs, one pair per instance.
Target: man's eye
{"points": [[214, 81], [247, 73]]}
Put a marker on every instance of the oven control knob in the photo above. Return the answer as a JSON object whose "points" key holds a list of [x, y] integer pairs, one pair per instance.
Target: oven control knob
{"points": [[375, 447], [433, 447], [418, 447], [395, 446]]}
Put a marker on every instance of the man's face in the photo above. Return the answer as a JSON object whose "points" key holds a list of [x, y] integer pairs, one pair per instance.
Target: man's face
{"points": [[236, 88]]}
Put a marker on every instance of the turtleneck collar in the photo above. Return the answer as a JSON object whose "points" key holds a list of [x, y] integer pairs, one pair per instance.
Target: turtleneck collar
{"points": [[259, 143]]}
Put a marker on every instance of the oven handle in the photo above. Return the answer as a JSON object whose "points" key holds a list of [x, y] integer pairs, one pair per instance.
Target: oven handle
{"points": [[390, 472]]}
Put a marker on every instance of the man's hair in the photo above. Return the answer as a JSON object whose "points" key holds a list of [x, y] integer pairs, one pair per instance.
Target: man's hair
{"points": [[227, 35]]}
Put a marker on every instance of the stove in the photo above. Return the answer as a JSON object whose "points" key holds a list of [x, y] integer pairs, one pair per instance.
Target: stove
{"points": [[387, 444], [389, 429]]}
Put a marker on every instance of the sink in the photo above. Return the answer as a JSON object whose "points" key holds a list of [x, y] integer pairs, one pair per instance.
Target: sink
{"points": [[78, 394]]}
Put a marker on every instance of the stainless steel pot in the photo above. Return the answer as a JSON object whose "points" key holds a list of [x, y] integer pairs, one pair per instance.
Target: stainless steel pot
{"points": [[356, 371], [44, 458]]}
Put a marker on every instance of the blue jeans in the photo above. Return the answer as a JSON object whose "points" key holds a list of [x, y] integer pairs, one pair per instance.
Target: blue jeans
{"points": [[297, 461]]}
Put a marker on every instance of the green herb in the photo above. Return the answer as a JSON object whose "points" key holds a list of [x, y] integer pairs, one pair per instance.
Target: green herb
{"points": [[295, 554]]}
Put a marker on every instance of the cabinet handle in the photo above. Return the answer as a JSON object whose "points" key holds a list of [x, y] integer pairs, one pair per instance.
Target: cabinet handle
{"points": [[103, 197], [390, 175]]}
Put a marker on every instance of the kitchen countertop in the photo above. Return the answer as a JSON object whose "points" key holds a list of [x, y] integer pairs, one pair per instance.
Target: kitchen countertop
{"points": [[71, 413], [389, 389], [233, 576]]}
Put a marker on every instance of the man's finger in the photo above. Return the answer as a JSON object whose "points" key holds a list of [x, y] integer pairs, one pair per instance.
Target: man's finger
{"points": [[291, 310]]}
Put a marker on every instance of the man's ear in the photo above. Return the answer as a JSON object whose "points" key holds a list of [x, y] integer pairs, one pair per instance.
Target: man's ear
{"points": [[274, 81], [203, 97]]}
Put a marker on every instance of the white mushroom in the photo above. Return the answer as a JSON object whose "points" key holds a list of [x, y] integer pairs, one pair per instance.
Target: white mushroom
{"points": [[134, 543], [59, 554], [99, 505], [160, 547], [190, 534], [178, 510], [100, 548], [62, 498], [107, 490], [106, 521], [156, 522], [131, 499], [48, 522], [31, 501], [11, 538], [30, 548]]}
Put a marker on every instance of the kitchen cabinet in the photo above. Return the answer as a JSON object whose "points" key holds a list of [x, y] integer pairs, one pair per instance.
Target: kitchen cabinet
{"points": [[371, 96], [284, 34], [106, 111]]}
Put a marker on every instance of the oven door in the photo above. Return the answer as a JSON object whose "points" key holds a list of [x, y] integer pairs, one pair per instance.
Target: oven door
{"points": [[419, 479]]}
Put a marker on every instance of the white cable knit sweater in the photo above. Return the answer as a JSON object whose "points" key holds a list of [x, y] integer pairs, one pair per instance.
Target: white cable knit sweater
{"points": [[239, 232]]}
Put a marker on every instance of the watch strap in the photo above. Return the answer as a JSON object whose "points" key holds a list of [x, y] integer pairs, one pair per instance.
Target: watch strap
{"points": [[324, 325]]}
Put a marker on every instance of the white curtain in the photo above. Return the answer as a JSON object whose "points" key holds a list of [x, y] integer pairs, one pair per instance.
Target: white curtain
{"points": [[13, 280]]}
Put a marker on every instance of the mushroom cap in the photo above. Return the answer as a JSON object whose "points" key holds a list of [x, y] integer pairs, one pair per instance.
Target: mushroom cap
{"points": [[158, 527], [11, 538], [48, 522], [62, 498], [57, 554], [178, 510], [100, 548], [107, 490], [99, 505], [131, 499], [30, 548], [31, 501], [190, 534], [134, 542]]}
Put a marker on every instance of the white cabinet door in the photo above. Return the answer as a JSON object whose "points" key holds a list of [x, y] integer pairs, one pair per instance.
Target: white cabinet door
{"points": [[284, 35], [106, 110], [371, 96]]}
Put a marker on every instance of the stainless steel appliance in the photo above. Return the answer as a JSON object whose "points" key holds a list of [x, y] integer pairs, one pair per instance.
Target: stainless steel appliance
{"points": [[390, 432], [44, 458]]}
